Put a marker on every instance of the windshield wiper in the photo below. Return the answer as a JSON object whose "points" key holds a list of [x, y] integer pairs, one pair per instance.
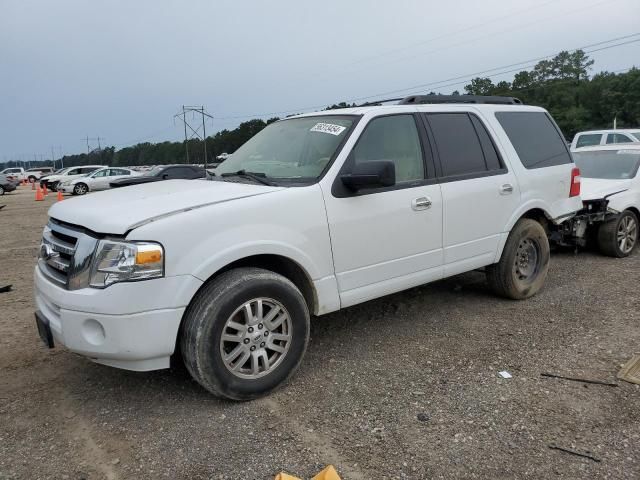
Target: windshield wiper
{"points": [[256, 176]]}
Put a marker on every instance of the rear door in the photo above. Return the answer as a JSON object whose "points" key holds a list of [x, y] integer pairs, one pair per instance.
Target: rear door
{"points": [[479, 193], [390, 238]]}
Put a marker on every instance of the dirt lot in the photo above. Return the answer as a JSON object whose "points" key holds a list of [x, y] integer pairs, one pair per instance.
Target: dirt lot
{"points": [[403, 387]]}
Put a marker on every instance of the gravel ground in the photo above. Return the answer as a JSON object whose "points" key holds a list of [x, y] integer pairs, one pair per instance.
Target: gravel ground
{"points": [[406, 386]]}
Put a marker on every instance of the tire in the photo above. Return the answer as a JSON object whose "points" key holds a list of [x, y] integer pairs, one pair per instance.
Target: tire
{"points": [[31, 179], [222, 301], [612, 234], [1, 190], [80, 189], [523, 266]]}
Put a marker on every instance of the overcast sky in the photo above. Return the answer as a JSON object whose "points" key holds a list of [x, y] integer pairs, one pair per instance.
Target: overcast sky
{"points": [[121, 69]]}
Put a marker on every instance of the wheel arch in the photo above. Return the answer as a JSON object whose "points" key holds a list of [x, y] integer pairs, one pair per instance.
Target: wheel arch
{"points": [[537, 213], [276, 263]]}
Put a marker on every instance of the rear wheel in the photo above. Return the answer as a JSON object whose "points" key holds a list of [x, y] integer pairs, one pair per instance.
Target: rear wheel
{"points": [[523, 266], [1, 190], [32, 179], [80, 189], [245, 333], [619, 236]]}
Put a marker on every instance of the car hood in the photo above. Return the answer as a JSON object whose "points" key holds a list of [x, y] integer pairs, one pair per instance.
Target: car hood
{"points": [[119, 210], [596, 188]]}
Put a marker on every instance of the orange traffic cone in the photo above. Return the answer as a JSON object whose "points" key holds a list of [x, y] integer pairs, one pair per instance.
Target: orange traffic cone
{"points": [[39, 195], [44, 189], [60, 197]]}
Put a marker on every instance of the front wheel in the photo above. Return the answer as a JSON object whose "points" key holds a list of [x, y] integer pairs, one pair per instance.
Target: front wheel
{"points": [[1, 190], [80, 189], [31, 179], [245, 333], [618, 236], [524, 263]]}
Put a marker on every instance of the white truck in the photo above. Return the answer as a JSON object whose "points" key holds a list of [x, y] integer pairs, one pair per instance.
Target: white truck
{"points": [[315, 213], [14, 173]]}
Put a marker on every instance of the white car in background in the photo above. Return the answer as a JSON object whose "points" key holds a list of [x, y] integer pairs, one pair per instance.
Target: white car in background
{"points": [[594, 138], [610, 191], [66, 174], [98, 180]]}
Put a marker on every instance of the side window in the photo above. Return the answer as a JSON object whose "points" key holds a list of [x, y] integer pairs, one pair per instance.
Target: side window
{"points": [[393, 138], [119, 171], [588, 140], [179, 172], [101, 173], [491, 156], [618, 138], [458, 144], [89, 169], [75, 171], [536, 139]]}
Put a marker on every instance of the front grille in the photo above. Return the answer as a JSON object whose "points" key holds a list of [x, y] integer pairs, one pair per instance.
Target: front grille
{"points": [[65, 255]]}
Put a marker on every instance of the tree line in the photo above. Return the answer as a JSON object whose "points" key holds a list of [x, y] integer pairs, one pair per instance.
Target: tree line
{"points": [[562, 85]]}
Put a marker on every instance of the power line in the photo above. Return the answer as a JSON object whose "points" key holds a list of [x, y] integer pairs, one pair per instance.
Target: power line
{"points": [[556, 15], [437, 83]]}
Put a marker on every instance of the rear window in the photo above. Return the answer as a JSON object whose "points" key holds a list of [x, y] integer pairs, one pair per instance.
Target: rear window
{"points": [[536, 138], [588, 140]]}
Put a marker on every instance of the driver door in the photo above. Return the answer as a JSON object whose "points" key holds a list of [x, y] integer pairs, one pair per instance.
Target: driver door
{"points": [[387, 239], [100, 180]]}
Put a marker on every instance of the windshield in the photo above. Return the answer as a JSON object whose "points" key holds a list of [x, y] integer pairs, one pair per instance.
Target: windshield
{"points": [[609, 164], [297, 148], [154, 171], [636, 135]]}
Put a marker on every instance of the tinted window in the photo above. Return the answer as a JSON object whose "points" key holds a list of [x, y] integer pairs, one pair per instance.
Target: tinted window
{"points": [[74, 171], [491, 156], [588, 139], [101, 173], [392, 138], [458, 144], [180, 172], [618, 138], [535, 137]]}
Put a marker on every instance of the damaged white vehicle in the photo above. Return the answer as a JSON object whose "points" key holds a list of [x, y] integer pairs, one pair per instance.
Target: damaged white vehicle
{"points": [[610, 191]]}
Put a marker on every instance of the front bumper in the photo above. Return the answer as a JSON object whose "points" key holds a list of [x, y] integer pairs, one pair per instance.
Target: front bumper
{"points": [[133, 326]]}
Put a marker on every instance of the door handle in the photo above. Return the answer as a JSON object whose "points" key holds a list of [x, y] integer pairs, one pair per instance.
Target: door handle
{"points": [[506, 189], [421, 203]]}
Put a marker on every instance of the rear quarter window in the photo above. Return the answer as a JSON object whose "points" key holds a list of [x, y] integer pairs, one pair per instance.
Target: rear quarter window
{"points": [[536, 138]]}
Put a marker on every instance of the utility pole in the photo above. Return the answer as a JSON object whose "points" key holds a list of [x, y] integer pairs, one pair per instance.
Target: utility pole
{"points": [[94, 139], [195, 132]]}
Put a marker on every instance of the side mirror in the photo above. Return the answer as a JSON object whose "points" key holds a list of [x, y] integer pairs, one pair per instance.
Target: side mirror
{"points": [[378, 173], [165, 176]]}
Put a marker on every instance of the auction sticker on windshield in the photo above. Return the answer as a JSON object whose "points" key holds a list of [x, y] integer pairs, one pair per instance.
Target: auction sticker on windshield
{"points": [[328, 128]]}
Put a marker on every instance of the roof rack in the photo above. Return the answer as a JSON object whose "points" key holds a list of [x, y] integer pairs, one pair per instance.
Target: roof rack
{"points": [[420, 99]]}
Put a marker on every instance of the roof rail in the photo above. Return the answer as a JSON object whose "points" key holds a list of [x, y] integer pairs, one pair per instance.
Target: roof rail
{"points": [[420, 99]]}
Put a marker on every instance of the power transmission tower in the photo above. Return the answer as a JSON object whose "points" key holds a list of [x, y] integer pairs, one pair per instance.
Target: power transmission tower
{"points": [[94, 139], [194, 132]]}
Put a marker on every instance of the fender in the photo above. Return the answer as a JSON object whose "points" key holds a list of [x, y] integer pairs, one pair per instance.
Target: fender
{"points": [[534, 204], [237, 252]]}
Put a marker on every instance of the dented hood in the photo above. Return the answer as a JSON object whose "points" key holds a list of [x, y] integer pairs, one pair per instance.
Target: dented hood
{"points": [[596, 188], [119, 210]]}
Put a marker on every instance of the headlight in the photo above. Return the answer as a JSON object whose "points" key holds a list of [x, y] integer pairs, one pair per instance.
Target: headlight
{"points": [[126, 261]]}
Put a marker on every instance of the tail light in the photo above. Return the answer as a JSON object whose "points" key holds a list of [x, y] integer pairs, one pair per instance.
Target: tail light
{"points": [[574, 191]]}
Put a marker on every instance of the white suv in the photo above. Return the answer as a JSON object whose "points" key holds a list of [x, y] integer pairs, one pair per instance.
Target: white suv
{"points": [[315, 213]]}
